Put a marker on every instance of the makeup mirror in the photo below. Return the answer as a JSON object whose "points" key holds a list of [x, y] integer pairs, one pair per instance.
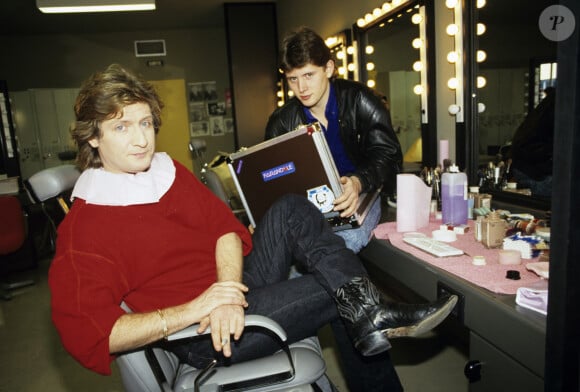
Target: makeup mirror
{"points": [[513, 64], [393, 55], [343, 54]]}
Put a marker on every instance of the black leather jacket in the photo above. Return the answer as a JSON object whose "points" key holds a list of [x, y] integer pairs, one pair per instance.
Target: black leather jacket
{"points": [[365, 129]]}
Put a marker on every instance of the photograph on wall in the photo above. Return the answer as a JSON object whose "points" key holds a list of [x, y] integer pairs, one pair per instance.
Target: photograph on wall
{"points": [[216, 125], [198, 111], [202, 91], [216, 108], [228, 125], [198, 128]]}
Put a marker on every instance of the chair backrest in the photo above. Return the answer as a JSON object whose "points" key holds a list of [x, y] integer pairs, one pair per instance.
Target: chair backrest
{"points": [[52, 182], [13, 226], [214, 183]]}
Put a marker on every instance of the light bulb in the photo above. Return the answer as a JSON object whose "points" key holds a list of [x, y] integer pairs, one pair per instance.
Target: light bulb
{"points": [[480, 29], [361, 22], [350, 67], [450, 3], [369, 49], [454, 109], [290, 93], [480, 107], [452, 83], [350, 50], [279, 94], [481, 56], [418, 89], [377, 12], [481, 82], [416, 18], [280, 103], [417, 66], [386, 7], [452, 29], [370, 66], [480, 3], [341, 70], [397, 3], [371, 83], [331, 41], [340, 55], [417, 43], [452, 57], [368, 18]]}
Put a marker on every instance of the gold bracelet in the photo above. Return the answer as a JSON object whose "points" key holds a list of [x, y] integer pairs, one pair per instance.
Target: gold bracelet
{"points": [[164, 321]]}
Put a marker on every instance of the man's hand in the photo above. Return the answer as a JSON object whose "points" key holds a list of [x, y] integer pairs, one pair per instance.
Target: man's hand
{"points": [[348, 201], [218, 294], [226, 321]]}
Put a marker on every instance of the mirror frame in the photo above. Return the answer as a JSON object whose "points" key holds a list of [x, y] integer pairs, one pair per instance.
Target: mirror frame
{"points": [[343, 41], [428, 127]]}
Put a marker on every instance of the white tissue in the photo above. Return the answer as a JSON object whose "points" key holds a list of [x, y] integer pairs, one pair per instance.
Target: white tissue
{"points": [[534, 297]]}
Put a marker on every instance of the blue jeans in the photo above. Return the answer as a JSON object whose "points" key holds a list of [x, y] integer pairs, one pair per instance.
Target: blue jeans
{"points": [[356, 239], [294, 231]]}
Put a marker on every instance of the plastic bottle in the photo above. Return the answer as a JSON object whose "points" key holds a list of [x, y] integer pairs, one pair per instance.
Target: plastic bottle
{"points": [[454, 197]]}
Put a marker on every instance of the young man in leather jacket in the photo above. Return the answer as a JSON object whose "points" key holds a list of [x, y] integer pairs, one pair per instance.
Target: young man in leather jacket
{"points": [[358, 129], [356, 122]]}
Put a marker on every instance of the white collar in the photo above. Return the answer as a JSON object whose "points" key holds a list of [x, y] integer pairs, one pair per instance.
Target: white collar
{"points": [[98, 186]]}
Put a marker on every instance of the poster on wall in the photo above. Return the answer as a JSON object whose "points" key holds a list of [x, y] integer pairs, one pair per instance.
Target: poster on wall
{"points": [[206, 112], [202, 91], [198, 128], [216, 108], [216, 124], [197, 111]]}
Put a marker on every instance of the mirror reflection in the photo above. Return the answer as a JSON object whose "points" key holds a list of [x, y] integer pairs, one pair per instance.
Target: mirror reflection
{"points": [[515, 71], [342, 51], [389, 56]]}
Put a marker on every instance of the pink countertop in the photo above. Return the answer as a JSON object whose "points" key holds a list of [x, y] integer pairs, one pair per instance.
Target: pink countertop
{"points": [[491, 276]]}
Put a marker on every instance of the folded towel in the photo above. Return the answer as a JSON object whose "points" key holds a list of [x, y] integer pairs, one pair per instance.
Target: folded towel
{"points": [[534, 297]]}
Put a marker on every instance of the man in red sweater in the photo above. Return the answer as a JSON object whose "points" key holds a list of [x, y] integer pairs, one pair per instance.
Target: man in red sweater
{"points": [[144, 231]]}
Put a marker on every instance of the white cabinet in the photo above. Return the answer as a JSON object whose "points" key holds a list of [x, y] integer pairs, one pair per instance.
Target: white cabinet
{"points": [[43, 118]]}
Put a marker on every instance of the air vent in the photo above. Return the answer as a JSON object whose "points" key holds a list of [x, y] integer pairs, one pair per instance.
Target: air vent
{"points": [[150, 48]]}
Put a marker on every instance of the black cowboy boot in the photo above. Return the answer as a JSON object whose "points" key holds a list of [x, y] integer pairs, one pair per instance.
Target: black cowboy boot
{"points": [[370, 322]]}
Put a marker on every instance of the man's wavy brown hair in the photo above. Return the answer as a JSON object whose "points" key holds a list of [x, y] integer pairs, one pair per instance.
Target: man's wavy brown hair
{"points": [[102, 97]]}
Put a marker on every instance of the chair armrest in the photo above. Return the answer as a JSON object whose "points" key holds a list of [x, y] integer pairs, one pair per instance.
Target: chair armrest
{"points": [[252, 320]]}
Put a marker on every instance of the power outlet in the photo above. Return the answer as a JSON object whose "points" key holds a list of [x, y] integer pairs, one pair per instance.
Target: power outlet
{"points": [[444, 290]]}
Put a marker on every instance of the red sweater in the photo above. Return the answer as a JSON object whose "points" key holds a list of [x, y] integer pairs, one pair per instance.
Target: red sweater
{"points": [[150, 256]]}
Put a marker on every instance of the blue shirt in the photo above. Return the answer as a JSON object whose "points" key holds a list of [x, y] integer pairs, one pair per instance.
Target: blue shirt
{"points": [[332, 134]]}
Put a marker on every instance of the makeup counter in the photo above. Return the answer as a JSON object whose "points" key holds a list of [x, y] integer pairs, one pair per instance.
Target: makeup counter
{"points": [[506, 341]]}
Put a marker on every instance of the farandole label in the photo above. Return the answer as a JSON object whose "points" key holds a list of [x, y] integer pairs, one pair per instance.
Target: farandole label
{"points": [[278, 171]]}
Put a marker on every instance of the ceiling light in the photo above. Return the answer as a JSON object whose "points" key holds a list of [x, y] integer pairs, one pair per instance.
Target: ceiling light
{"points": [[74, 6]]}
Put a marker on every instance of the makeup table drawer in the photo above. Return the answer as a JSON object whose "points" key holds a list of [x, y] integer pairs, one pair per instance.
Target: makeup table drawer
{"points": [[499, 372]]}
